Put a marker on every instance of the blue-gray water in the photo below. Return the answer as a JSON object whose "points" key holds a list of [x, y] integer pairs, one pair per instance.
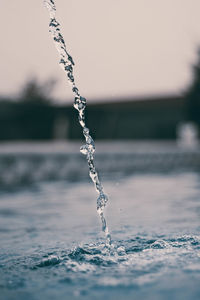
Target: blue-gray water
{"points": [[51, 245]]}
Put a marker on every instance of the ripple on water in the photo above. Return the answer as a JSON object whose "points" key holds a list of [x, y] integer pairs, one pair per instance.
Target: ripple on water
{"points": [[130, 253], [52, 260], [133, 262]]}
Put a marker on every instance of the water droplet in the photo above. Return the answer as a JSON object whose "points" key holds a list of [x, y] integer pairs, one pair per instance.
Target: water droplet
{"points": [[69, 68], [71, 59], [85, 131], [75, 90], [81, 118], [93, 176], [84, 149], [54, 23], [101, 201], [62, 61], [90, 142], [70, 76], [83, 100]]}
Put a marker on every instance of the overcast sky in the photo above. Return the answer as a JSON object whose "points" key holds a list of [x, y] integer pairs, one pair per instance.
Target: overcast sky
{"points": [[120, 47]]}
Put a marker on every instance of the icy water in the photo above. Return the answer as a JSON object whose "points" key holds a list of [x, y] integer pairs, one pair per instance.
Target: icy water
{"points": [[50, 246]]}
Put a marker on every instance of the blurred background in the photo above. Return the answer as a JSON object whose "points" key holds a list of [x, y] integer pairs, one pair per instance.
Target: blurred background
{"points": [[137, 63]]}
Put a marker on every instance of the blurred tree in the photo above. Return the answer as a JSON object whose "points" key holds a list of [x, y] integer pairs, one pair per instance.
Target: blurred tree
{"points": [[193, 95], [34, 92]]}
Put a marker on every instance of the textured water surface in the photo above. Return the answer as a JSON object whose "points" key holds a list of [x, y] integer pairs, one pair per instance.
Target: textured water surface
{"points": [[52, 248]]}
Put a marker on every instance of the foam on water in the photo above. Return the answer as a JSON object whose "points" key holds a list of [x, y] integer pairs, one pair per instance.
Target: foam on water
{"points": [[88, 267], [67, 63]]}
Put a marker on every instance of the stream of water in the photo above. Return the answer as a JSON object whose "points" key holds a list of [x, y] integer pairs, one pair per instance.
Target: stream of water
{"points": [[67, 63]]}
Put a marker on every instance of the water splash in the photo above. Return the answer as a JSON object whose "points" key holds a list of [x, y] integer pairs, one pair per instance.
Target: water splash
{"points": [[67, 63]]}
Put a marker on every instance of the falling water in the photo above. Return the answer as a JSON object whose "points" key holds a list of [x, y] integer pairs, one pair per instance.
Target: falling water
{"points": [[67, 63]]}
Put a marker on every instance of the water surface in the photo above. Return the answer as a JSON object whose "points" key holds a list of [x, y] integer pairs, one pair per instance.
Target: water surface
{"points": [[52, 246]]}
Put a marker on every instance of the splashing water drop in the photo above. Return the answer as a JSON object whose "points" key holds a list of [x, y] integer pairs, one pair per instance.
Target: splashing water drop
{"points": [[67, 63]]}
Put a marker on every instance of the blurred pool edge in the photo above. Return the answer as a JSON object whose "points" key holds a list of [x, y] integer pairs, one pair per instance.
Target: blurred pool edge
{"points": [[25, 163], [102, 146]]}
